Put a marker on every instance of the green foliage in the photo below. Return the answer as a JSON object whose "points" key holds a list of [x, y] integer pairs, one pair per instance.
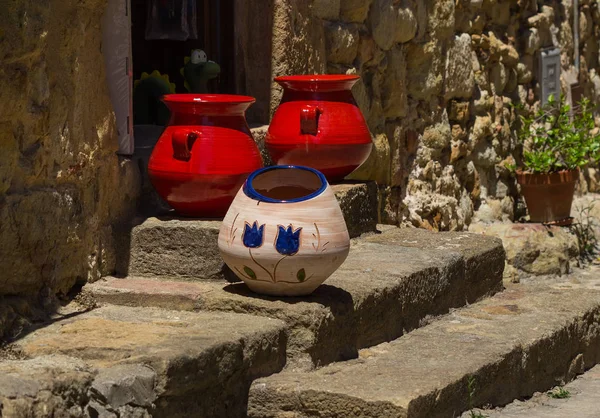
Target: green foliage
{"points": [[511, 167], [559, 393], [583, 227], [556, 141], [471, 388]]}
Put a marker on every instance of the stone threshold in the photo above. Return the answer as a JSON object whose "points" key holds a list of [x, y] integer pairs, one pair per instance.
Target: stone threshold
{"points": [[528, 338], [391, 283]]}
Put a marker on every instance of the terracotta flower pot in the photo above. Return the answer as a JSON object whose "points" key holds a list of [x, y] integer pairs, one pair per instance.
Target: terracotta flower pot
{"points": [[548, 196], [319, 125], [284, 233], [204, 154]]}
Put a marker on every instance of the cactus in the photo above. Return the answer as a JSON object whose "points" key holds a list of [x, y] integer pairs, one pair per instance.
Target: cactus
{"points": [[147, 91], [197, 70]]}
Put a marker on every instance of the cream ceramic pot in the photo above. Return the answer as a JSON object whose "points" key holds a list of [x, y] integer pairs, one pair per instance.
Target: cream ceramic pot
{"points": [[284, 233]]}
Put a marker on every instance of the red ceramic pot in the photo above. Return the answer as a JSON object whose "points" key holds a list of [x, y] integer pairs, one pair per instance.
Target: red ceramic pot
{"points": [[319, 125], [204, 154], [549, 195]]}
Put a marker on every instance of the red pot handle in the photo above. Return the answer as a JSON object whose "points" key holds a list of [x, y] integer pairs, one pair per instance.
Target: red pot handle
{"points": [[309, 119], [183, 140]]}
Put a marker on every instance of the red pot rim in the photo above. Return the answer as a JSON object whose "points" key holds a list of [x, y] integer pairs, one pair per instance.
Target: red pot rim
{"points": [[190, 98], [321, 78], [318, 82], [563, 176]]}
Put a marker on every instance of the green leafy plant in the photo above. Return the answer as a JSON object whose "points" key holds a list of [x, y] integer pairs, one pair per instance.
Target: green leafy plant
{"points": [[584, 229], [471, 388], [559, 138], [559, 393]]}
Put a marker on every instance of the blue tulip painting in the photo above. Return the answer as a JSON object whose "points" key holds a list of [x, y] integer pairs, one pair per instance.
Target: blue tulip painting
{"points": [[288, 240], [253, 235], [287, 243]]}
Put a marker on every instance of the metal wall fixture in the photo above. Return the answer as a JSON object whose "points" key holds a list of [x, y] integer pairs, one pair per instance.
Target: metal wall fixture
{"points": [[549, 73]]}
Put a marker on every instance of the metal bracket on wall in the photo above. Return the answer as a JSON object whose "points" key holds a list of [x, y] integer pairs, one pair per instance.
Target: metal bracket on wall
{"points": [[550, 73]]}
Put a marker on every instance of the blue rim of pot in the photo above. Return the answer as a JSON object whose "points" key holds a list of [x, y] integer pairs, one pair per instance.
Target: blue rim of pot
{"points": [[253, 194]]}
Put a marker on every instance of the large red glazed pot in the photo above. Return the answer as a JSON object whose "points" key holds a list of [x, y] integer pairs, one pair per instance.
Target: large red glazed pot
{"points": [[319, 125], [204, 154]]}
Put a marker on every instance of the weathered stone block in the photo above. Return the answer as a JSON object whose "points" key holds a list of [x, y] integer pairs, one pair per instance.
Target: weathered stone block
{"points": [[440, 18], [459, 111], [145, 360], [342, 43], [437, 136], [498, 78], [524, 74], [512, 81], [377, 166], [126, 384], [457, 151], [481, 130], [297, 43], [259, 134], [369, 53], [179, 248], [534, 248], [406, 24], [393, 88], [326, 9], [510, 56], [499, 12], [354, 10], [460, 79], [532, 41], [358, 202], [36, 249], [48, 385], [424, 75], [383, 23]]}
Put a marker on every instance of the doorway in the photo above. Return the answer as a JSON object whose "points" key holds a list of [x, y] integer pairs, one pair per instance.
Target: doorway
{"points": [[215, 36]]}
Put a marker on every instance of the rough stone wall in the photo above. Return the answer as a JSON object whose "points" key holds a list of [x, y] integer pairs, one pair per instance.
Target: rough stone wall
{"points": [[438, 78], [63, 190]]}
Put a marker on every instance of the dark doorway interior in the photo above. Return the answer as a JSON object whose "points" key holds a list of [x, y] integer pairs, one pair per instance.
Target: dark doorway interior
{"points": [[215, 36]]}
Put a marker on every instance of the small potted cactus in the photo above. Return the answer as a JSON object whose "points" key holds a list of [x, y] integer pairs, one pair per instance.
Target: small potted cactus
{"points": [[557, 141]]}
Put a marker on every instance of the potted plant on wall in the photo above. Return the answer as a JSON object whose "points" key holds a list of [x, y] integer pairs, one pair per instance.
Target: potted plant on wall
{"points": [[556, 142]]}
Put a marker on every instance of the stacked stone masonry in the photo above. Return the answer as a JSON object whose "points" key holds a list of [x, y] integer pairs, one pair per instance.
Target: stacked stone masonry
{"points": [[63, 190], [438, 81]]}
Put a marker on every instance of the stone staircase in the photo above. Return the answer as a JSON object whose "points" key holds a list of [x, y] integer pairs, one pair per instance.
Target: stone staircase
{"points": [[404, 328], [506, 347]]}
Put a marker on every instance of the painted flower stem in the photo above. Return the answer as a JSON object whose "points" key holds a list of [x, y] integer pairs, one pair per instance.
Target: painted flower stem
{"points": [[275, 269], [250, 278], [232, 231], [260, 265]]}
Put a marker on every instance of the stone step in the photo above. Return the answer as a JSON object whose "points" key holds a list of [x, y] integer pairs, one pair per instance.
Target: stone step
{"points": [[120, 361], [578, 399], [186, 249], [528, 338], [390, 283]]}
